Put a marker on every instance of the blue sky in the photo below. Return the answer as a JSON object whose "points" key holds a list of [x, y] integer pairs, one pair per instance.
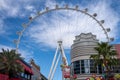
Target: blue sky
{"points": [[39, 40]]}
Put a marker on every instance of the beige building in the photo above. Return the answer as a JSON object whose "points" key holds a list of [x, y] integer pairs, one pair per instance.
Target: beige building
{"points": [[36, 71], [81, 50]]}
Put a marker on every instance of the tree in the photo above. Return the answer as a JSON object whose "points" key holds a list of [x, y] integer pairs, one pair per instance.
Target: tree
{"points": [[106, 56], [9, 63]]}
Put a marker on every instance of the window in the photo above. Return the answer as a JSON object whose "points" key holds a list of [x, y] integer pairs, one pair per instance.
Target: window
{"points": [[22, 74], [87, 66], [100, 69], [116, 69], [76, 66], [82, 66], [93, 69]]}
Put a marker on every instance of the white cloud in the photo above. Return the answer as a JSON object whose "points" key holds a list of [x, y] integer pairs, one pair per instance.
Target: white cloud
{"points": [[14, 9], [65, 25], [62, 25], [4, 47], [19, 8], [30, 8], [50, 3], [9, 8], [110, 16]]}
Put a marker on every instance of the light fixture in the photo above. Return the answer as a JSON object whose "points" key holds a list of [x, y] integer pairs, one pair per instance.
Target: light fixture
{"points": [[30, 18], [18, 32], [111, 39], [102, 21], [86, 9], [24, 25], [16, 41], [108, 29], [95, 14], [38, 12], [76, 7], [56, 6], [66, 6], [47, 8]]}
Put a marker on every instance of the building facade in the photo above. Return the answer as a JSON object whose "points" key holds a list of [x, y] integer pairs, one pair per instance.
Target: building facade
{"points": [[43, 77], [36, 72], [81, 63], [26, 75]]}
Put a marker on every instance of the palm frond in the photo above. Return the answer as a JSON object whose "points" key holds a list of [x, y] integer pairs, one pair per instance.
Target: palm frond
{"points": [[8, 61]]}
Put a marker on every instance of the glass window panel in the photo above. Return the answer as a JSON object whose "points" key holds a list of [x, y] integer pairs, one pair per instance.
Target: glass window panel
{"points": [[93, 69], [82, 66], [76, 65], [87, 66], [100, 69]]}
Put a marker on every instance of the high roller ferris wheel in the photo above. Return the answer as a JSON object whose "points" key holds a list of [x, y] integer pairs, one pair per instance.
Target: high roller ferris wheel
{"points": [[60, 46]]}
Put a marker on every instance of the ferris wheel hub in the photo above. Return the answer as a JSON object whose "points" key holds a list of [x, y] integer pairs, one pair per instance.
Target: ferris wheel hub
{"points": [[60, 42]]}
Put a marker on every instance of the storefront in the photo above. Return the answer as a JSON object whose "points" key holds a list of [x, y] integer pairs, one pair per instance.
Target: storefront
{"points": [[26, 75]]}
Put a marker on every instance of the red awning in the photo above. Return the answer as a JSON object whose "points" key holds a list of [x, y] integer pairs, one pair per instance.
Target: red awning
{"points": [[117, 47], [26, 68]]}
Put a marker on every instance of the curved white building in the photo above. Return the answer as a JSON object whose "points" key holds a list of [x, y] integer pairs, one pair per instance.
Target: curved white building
{"points": [[81, 50]]}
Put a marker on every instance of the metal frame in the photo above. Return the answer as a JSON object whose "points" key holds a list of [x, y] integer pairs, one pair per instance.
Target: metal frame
{"points": [[31, 19], [85, 11], [59, 52]]}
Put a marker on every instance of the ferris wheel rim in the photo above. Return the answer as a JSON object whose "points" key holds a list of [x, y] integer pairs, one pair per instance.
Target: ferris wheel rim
{"points": [[31, 19]]}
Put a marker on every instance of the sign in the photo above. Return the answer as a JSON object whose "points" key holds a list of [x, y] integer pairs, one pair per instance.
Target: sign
{"points": [[66, 72]]}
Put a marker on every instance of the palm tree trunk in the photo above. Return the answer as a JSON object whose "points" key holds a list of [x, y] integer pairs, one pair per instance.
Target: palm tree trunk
{"points": [[106, 68]]}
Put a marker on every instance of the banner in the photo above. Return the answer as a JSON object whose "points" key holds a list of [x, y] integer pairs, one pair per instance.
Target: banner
{"points": [[66, 72]]}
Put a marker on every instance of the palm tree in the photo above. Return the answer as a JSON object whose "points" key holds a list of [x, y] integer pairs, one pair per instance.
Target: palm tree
{"points": [[9, 63], [106, 55]]}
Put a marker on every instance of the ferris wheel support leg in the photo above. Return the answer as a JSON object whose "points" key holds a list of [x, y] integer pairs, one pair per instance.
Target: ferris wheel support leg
{"points": [[55, 67], [53, 63], [63, 53]]}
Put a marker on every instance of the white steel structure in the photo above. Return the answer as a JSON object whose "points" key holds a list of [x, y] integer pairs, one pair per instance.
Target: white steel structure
{"points": [[56, 59], [60, 47], [85, 11]]}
